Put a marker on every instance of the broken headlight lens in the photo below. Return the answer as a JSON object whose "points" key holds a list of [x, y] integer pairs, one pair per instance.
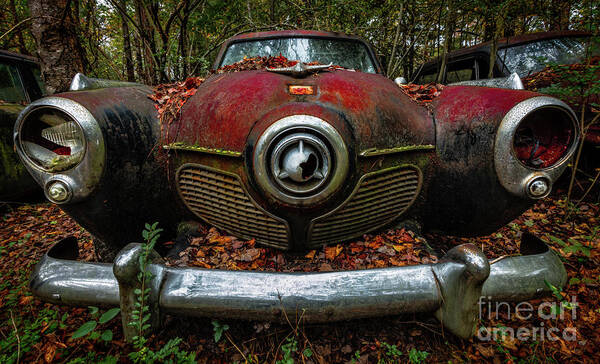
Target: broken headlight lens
{"points": [[52, 140], [543, 138]]}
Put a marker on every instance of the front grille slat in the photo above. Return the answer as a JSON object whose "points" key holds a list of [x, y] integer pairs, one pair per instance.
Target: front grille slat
{"points": [[220, 199], [380, 198], [392, 204], [242, 210]]}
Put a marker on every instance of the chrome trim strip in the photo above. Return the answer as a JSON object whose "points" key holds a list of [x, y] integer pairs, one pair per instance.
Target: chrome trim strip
{"points": [[81, 82], [512, 82]]}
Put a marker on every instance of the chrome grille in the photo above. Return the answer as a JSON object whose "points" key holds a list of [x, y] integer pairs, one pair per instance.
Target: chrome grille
{"points": [[379, 198], [219, 198]]}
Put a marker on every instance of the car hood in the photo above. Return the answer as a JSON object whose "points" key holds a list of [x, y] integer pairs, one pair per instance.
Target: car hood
{"points": [[226, 107]]}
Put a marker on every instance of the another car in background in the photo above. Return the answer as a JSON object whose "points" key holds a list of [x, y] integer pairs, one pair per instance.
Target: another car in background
{"points": [[524, 55], [20, 84]]}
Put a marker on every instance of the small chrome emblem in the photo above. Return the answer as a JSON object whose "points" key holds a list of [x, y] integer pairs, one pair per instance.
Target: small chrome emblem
{"points": [[300, 69]]}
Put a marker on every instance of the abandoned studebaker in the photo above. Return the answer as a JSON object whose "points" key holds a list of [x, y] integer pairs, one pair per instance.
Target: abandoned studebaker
{"points": [[297, 157]]}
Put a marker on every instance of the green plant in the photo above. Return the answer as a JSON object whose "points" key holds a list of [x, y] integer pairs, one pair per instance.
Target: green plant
{"points": [[416, 356], [26, 334], [290, 347], [219, 330], [93, 357], [557, 292], [356, 357], [170, 352], [574, 247], [391, 350], [89, 328], [391, 353], [307, 353]]}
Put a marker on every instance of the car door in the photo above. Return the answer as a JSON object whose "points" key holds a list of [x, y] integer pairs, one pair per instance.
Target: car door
{"points": [[15, 182]]}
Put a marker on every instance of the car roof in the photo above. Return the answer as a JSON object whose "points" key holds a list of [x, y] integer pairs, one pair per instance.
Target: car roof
{"points": [[17, 57], [505, 42], [291, 34]]}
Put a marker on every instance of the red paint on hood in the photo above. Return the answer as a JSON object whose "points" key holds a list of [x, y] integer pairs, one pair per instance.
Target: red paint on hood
{"points": [[226, 106]]}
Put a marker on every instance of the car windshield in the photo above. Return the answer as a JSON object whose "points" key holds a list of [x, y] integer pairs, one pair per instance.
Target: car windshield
{"points": [[345, 53], [529, 58]]}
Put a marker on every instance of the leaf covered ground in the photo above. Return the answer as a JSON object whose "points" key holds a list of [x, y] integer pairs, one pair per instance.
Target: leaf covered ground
{"points": [[35, 332]]}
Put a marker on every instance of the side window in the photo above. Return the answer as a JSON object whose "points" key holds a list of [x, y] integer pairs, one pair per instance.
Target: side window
{"points": [[428, 76], [37, 74], [483, 64], [11, 88], [461, 71]]}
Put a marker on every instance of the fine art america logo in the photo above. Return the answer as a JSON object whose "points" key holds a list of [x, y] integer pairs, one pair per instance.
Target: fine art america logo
{"points": [[525, 311]]}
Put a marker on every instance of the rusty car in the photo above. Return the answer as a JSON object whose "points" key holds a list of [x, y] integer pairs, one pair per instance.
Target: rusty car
{"points": [[297, 157], [20, 84]]}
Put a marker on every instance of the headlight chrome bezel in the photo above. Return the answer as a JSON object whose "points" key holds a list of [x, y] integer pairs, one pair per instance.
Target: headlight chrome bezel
{"points": [[81, 178], [515, 176], [293, 125]]}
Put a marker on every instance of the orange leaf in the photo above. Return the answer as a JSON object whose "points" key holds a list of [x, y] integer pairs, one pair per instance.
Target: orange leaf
{"points": [[25, 300], [332, 252], [50, 352]]}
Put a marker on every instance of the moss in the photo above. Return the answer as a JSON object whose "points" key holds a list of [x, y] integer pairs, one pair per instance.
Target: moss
{"points": [[408, 148], [197, 148]]}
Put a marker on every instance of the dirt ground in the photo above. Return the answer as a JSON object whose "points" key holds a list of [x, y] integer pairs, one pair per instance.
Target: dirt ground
{"points": [[35, 332]]}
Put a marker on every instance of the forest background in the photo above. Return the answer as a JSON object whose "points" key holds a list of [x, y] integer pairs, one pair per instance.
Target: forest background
{"points": [[154, 42]]}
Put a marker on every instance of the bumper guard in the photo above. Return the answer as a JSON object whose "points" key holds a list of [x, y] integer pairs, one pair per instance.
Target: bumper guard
{"points": [[451, 289]]}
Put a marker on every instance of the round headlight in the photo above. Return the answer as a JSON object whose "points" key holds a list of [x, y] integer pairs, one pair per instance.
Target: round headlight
{"points": [[544, 137], [52, 140]]}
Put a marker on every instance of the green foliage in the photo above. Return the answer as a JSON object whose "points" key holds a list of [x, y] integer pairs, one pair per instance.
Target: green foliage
{"points": [[288, 349], [574, 246], [170, 352], [416, 356], [391, 351], [89, 327], [84, 329], [29, 334], [307, 352], [93, 357], [219, 330], [356, 357], [109, 315], [557, 293]]}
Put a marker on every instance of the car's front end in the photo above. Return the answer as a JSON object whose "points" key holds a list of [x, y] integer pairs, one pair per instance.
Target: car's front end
{"points": [[350, 154]]}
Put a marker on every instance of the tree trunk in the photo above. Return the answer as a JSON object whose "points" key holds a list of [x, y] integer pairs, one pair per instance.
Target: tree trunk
{"points": [[449, 31], [183, 44], [499, 29], [127, 56], [60, 53], [147, 44]]}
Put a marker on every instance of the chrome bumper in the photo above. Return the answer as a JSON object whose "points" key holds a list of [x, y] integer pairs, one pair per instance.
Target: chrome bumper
{"points": [[451, 289]]}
